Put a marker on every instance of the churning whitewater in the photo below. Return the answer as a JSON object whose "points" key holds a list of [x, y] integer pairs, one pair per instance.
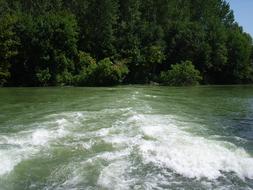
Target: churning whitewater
{"points": [[132, 146]]}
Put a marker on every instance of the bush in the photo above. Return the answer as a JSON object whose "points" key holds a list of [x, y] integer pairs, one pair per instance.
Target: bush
{"points": [[108, 73], [84, 60], [183, 74], [64, 78], [86, 76], [104, 73], [43, 76]]}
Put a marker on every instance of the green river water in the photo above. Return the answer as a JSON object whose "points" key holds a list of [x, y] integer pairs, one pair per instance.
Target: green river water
{"points": [[128, 137]]}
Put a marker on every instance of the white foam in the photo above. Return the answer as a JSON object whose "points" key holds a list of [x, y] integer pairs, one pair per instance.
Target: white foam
{"points": [[43, 136], [27, 143], [188, 155], [7, 161], [150, 96], [61, 122], [110, 177], [159, 140], [40, 137], [113, 176], [88, 145]]}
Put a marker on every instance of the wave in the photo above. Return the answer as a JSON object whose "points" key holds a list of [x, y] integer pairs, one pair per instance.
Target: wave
{"points": [[146, 150], [25, 144], [161, 141], [188, 155]]}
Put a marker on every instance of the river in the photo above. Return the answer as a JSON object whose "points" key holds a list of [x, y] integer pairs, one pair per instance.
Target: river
{"points": [[127, 137]]}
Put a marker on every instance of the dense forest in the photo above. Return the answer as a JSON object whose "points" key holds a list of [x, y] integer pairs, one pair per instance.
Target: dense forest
{"points": [[107, 42]]}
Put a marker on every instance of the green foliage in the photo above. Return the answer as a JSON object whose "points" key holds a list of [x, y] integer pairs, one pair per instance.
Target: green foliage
{"points": [[8, 45], [104, 73], [84, 60], [43, 77], [86, 77], [240, 68], [65, 78], [101, 20], [38, 35], [155, 55], [110, 74], [183, 74], [47, 41]]}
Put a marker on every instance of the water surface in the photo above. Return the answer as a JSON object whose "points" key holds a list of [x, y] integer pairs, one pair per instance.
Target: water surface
{"points": [[130, 137]]}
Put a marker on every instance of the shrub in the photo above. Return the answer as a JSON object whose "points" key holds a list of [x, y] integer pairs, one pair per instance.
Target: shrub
{"points": [[108, 73], [183, 74], [84, 60], [43, 76], [104, 73], [64, 78], [86, 76]]}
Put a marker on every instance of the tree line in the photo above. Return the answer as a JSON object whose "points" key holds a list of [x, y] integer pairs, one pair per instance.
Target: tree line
{"points": [[108, 42]]}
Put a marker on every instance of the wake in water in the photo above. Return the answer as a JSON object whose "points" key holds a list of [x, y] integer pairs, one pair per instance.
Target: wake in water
{"points": [[126, 148]]}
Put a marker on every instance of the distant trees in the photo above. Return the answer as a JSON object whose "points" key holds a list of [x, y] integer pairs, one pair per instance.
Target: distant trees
{"points": [[94, 42], [251, 55]]}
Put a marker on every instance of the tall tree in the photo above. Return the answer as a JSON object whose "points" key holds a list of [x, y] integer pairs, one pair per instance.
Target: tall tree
{"points": [[43, 41], [48, 42], [102, 18], [8, 45]]}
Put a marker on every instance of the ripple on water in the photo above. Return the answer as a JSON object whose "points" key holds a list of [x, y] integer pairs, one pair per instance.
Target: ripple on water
{"points": [[164, 144], [25, 144], [144, 151], [154, 151]]}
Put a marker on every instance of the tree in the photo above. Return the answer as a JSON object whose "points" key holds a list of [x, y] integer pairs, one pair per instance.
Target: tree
{"points": [[218, 55], [128, 36], [102, 18], [8, 45], [48, 42], [147, 35], [240, 68]]}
